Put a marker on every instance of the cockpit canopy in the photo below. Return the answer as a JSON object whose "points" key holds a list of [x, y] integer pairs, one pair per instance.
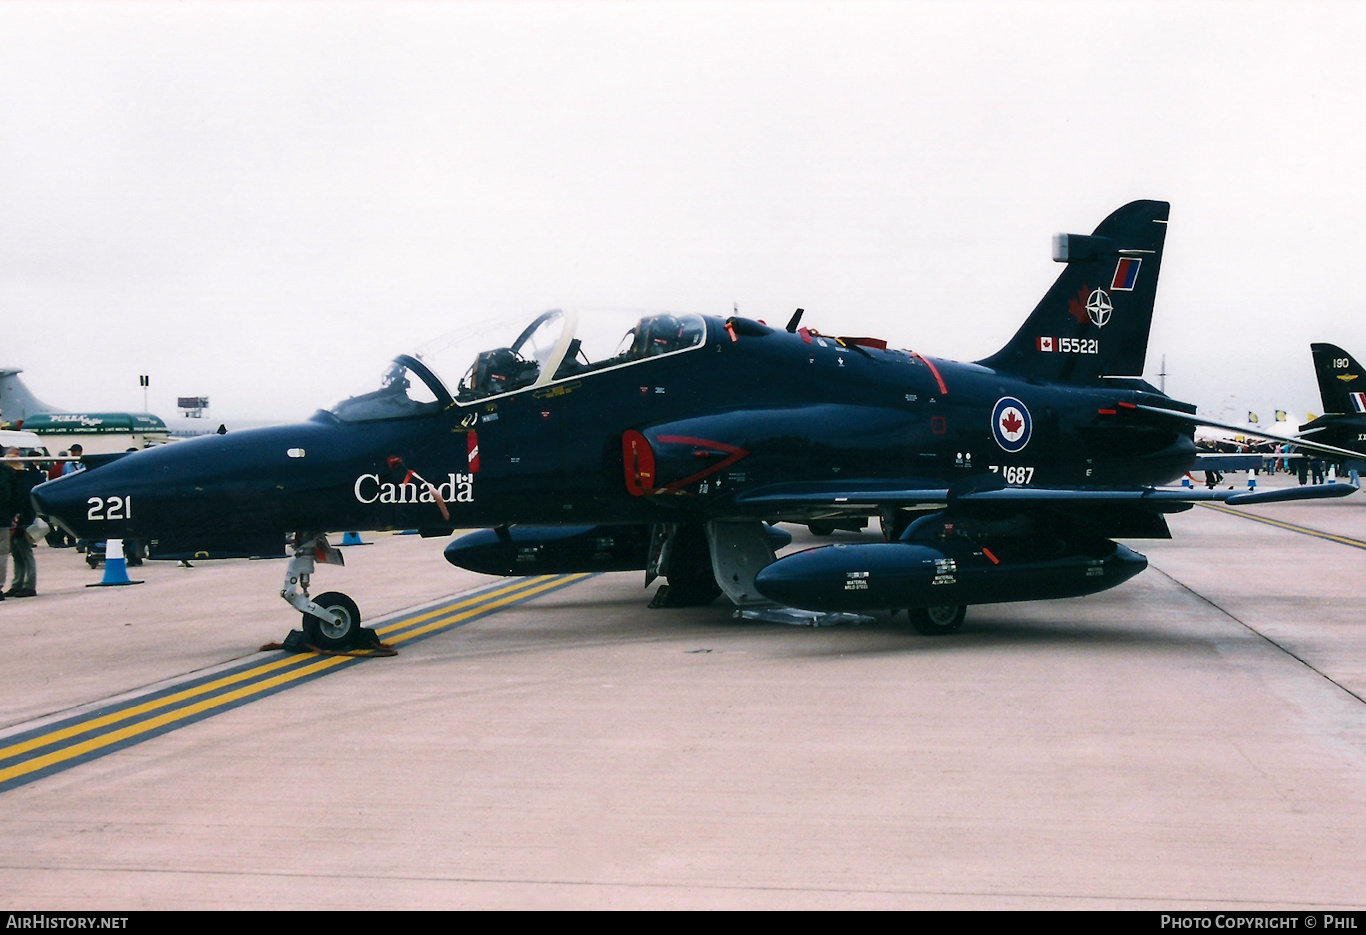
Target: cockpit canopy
{"points": [[557, 345], [407, 388]]}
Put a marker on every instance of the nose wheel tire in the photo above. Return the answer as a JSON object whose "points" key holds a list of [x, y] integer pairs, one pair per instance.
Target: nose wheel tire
{"points": [[937, 621], [325, 634]]}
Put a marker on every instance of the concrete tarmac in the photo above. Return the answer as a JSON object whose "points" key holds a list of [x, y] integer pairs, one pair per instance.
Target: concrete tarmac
{"points": [[1194, 739]]}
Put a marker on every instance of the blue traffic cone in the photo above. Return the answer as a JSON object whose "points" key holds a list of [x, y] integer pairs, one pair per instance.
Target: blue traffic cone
{"points": [[1185, 482], [115, 568], [1252, 483], [352, 538]]}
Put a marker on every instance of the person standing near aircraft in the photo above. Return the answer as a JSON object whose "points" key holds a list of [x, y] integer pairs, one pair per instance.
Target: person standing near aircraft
{"points": [[57, 538], [26, 477], [9, 514], [73, 466]]}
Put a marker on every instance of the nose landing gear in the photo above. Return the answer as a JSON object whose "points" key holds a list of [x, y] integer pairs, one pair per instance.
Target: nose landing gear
{"points": [[342, 631], [332, 620]]}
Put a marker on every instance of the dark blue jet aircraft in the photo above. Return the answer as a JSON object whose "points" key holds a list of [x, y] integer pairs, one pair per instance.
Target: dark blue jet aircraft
{"points": [[1006, 479]]}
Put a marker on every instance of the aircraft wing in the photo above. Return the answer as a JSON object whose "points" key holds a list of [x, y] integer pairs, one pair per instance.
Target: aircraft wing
{"points": [[869, 497], [1191, 419], [1155, 495], [853, 497]]}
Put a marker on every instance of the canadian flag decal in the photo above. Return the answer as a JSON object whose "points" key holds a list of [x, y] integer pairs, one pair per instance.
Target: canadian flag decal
{"points": [[1046, 344]]}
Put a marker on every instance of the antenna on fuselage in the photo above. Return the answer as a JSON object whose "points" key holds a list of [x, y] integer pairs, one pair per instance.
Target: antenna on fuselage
{"points": [[795, 320]]}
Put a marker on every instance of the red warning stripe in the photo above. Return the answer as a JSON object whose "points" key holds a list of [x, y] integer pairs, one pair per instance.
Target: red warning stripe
{"points": [[472, 447], [734, 454], [934, 370]]}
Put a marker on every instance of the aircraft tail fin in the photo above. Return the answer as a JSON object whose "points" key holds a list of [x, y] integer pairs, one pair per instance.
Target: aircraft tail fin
{"points": [[17, 400], [1093, 322], [1342, 382]]}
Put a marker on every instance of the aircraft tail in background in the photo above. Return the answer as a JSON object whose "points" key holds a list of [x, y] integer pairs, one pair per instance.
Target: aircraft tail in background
{"points": [[1342, 382], [17, 400]]}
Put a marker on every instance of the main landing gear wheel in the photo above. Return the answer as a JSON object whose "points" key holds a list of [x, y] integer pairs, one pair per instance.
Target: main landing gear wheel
{"points": [[325, 634], [688, 570], [937, 621]]}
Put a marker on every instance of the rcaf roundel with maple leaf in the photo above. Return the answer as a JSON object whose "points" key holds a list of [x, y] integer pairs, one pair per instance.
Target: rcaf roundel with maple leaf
{"points": [[1010, 424]]}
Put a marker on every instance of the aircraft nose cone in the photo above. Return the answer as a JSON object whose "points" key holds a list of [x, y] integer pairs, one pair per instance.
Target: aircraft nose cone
{"points": [[240, 487], [163, 491], [71, 501]]}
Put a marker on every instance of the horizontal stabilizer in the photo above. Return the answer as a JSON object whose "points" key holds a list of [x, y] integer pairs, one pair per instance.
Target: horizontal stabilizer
{"points": [[1228, 461], [1299, 441]]}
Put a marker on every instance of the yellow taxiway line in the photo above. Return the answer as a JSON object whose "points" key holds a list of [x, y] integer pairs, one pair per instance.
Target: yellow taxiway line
{"points": [[113, 727], [1292, 527]]}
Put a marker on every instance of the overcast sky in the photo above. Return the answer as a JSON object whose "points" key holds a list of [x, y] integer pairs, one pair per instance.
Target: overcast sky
{"points": [[263, 203]]}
